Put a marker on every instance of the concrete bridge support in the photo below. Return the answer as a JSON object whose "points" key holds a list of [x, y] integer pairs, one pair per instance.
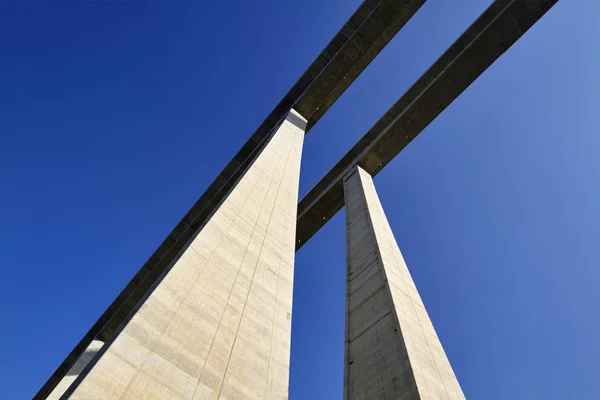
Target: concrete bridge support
{"points": [[217, 324], [392, 350]]}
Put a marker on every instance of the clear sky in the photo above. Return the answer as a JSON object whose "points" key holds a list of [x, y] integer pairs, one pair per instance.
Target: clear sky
{"points": [[115, 116]]}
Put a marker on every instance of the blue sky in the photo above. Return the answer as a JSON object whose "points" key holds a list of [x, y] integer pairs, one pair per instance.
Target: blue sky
{"points": [[115, 117]]}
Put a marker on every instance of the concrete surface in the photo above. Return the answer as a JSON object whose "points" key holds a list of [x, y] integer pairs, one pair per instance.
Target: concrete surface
{"points": [[391, 348], [218, 323]]}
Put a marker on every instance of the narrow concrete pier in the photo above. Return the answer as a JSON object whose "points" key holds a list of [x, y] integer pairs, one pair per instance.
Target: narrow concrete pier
{"points": [[392, 350]]}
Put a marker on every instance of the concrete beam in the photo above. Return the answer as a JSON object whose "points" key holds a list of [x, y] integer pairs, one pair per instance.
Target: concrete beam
{"points": [[365, 34], [498, 28], [362, 37]]}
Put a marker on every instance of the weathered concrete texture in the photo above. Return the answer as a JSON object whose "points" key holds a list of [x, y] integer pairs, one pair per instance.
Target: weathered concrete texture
{"points": [[392, 350], [218, 324], [76, 369]]}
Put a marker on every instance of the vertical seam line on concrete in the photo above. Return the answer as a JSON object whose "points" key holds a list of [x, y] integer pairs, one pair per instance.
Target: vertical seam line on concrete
{"points": [[356, 171], [252, 281], [380, 258], [261, 146], [224, 234], [346, 325], [237, 274], [151, 349], [236, 277], [257, 151], [279, 271]]}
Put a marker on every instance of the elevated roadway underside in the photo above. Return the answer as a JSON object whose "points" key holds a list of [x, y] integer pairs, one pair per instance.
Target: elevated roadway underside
{"points": [[498, 28]]}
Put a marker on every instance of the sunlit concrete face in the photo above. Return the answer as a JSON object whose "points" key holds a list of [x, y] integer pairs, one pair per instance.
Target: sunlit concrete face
{"points": [[76, 369], [392, 350], [218, 325]]}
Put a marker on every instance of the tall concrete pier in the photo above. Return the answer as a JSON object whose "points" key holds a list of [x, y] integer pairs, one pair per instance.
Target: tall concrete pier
{"points": [[208, 316], [217, 325], [391, 350]]}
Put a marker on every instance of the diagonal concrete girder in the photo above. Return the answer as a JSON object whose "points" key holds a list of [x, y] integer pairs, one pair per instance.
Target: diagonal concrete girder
{"points": [[498, 28], [352, 49]]}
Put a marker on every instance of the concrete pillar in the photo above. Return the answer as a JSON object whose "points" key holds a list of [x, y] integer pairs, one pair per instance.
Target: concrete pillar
{"points": [[392, 350], [76, 369], [218, 323]]}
